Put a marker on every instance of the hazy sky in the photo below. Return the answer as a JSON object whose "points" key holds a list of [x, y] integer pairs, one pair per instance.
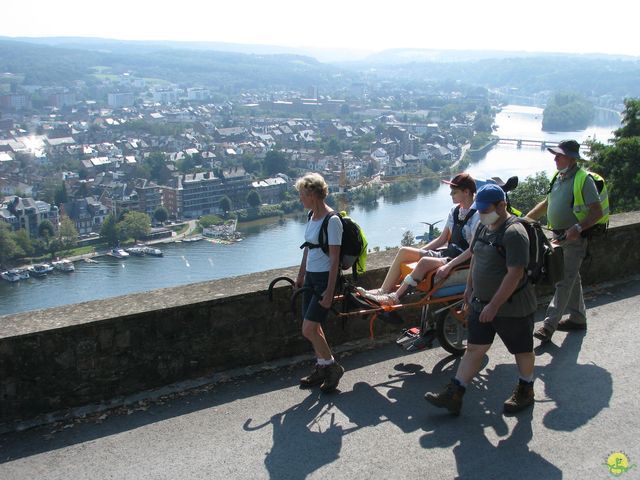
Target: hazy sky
{"points": [[541, 25]]}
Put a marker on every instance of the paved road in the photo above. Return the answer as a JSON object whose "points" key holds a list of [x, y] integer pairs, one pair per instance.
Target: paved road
{"points": [[379, 426]]}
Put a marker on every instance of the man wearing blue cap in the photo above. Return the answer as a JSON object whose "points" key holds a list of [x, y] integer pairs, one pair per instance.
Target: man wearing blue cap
{"points": [[498, 299], [574, 210]]}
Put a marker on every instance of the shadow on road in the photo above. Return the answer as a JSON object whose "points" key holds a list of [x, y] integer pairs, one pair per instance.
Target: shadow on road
{"points": [[301, 442], [580, 391], [308, 435], [47, 438]]}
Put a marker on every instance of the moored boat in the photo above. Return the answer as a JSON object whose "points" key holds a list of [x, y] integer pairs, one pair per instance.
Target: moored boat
{"points": [[154, 252], [193, 239], [63, 265], [23, 273], [137, 251], [119, 253], [40, 269], [10, 276]]}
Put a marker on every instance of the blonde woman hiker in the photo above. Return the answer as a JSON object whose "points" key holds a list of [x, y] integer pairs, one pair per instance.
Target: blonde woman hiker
{"points": [[319, 272]]}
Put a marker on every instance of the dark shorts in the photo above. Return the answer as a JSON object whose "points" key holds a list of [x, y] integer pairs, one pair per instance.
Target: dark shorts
{"points": [[516, 332], [311, 309]]}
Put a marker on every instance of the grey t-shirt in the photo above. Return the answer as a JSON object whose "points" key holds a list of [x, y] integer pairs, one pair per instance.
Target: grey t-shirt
{"points": [[490, 267], [560, 200]]}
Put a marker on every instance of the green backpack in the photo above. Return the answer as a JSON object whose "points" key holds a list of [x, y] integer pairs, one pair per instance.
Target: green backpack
{"points": [[353, 249]]}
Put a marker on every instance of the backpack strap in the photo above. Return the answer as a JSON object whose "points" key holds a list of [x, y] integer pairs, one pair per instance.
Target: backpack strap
{"points": [[500, 247], [553, 180], [457, 243], [456, 216], [456, 213], [323, 236], [499, 235]]}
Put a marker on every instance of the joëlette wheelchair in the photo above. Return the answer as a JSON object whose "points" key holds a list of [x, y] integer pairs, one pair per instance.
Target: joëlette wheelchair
{"points": [[440, 302]]}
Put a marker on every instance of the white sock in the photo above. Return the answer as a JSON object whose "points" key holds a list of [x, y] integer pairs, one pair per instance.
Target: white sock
{"points": [[410, 281], [323, 363], [462, 384]]}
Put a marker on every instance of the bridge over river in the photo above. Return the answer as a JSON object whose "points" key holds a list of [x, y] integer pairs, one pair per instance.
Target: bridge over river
{"points": [[542, 144], [520, 142]]}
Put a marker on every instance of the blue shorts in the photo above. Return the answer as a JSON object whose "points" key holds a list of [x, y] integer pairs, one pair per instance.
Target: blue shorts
{"points": [[311, 308], [516, 332]]}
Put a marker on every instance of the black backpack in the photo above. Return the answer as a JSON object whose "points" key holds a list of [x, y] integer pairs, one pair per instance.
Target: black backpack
{"points": [[353, 249], [546, 261]]}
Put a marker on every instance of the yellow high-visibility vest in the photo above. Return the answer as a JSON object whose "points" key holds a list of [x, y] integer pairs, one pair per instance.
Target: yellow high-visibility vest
{"points": [[580, 210]]}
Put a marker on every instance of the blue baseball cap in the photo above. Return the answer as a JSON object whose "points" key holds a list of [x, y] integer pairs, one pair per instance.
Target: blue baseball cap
{"points": [[487, 195]]}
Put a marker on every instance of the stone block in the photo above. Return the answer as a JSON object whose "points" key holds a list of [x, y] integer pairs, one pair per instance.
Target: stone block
{"points": [[123, 339]]}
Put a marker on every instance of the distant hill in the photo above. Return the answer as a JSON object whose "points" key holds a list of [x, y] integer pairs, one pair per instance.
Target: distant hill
{"points": [[54, 61], [53, 65], [421, 55], [107, 45], [527, 73]]}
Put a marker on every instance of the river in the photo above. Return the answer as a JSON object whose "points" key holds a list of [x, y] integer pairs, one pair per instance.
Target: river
{"points": [[275, 244]]}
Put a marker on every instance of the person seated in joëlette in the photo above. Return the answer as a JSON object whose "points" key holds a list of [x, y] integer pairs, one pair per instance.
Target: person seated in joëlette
{"points": [[456, 236]]}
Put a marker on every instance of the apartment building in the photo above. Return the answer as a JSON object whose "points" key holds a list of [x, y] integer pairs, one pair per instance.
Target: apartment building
{"points": [[28, 213]]}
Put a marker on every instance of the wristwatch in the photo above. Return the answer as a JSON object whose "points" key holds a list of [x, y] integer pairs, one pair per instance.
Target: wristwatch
{"points": [[578, 227]]}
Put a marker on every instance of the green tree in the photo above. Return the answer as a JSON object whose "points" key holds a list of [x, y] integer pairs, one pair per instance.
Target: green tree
{"points": [[9, 249], [197, 159], [158, 170], [630, 119], [332, 147], [109, 230], [83, 190], [567, 112], [46, 230], [483, 123], [530, 192], [54, 246], [407, 239], [67, 234], [619, 163], [161, 214], [60, 196], [225, 204], [136, 225], [250, 163], [253, 199], [21, 237], [275, 162], [185, 164]]}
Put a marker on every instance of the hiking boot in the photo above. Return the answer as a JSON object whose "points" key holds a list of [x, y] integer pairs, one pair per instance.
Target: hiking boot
{"points": [[383, 298], [543, 334], [450, 398], [315, 378], [333, 375], [373, 291], [570, 326], [521, 398]]}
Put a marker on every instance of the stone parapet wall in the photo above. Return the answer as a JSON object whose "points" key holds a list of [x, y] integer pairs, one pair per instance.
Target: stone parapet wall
{"points": [[91, 352]]}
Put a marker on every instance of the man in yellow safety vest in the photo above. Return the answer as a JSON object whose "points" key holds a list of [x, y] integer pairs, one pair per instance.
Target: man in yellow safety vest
{"points": [[573, 206]]}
